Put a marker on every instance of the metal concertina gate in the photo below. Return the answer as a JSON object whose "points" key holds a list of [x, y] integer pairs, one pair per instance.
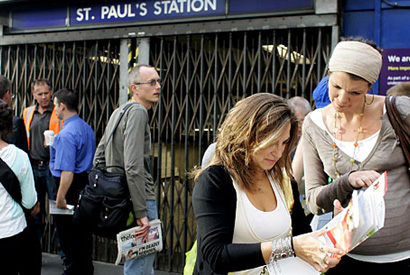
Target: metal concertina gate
{"points": [[203, 76]]}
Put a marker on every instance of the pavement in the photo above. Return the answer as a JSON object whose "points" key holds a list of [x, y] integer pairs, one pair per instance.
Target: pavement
{"points": [[52, 265]]}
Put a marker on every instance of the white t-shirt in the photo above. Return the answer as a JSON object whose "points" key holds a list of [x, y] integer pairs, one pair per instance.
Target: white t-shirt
{"points": [[12, 220]]}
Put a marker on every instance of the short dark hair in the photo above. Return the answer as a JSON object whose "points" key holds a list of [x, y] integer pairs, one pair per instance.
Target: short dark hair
{"points": [[6, 120], [5, 85], [68, 97], [40, 81]]}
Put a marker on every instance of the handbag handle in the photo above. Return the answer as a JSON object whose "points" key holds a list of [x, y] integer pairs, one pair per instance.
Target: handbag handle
{"points": [[399, 128]]}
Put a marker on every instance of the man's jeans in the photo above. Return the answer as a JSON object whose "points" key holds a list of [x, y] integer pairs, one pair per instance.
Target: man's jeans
{"points": [[44, 185], [143, 265]]}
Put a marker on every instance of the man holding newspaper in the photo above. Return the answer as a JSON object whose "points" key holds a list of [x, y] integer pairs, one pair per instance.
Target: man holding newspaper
{"points": [[129, 148]]}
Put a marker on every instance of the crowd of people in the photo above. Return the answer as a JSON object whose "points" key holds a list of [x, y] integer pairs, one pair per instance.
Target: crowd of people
{"points": [[59, 169], [245, 216], [275, 165]]}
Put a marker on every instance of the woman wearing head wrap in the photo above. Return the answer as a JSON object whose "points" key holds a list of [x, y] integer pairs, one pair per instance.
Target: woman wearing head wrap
{"points": [[352, 141]]}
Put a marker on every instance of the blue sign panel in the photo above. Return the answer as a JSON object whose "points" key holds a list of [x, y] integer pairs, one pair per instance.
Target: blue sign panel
{"points": [[144, 11], [39, 18], [247, 6], [137, 11]]}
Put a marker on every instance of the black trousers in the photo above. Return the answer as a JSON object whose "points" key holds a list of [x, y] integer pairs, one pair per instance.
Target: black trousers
{"points": [[12, 254], [351, 266], [75, 240]]}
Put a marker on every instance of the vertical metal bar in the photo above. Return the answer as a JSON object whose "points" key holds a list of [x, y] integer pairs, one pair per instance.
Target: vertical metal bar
{"points": [[304, 64], [244, 64], [172, 180], [230, 73], [63, 66], [259, 61], [289, 61], [96, 74], [35, 62], [26, 78], [45, 61], [186, 148], [74, 77], [160, 118], [109, 76], [273, 61], [84, 83], [17, 78], [215, 109], [319, 54], [1, 60], [53, 81], [201, 97], [123, 71]]}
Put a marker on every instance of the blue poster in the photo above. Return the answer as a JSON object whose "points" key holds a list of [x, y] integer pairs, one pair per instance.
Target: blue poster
{"points": [[395, 68]]}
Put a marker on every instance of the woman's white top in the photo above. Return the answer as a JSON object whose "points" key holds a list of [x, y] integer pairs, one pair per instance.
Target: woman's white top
{"points": [[12, 219], [364, 147], [254, 226]]}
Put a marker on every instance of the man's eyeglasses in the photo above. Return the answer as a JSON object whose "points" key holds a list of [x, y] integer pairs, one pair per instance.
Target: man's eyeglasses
{"points": [[152, 82]]}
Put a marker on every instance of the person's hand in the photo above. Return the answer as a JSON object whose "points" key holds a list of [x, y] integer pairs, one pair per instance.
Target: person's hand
{"points": [[35, 210], [337, 207], [311, 249], [61, 202], [360, 179], [143, 230]]}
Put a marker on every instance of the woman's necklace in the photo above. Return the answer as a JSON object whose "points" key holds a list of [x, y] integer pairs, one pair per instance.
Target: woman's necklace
{"points": [[356, 144]]}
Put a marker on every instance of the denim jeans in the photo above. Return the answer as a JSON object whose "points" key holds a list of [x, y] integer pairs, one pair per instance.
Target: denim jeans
{"points": [[44, 182], [143, 265]]}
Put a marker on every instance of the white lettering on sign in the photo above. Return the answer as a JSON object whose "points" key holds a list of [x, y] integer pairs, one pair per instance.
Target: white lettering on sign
{"points": [[132, 9], [179, 6], [83, 14]]}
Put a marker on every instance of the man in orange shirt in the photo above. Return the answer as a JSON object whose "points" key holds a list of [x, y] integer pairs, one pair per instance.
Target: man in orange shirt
{"points": [[38, 118]]}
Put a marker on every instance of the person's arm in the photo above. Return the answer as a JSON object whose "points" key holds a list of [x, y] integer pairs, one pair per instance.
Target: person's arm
{"points": [[19, 137], [65, 182], [214, 204], [297, 167], [316, 180], [27, 186], [136, 121]]}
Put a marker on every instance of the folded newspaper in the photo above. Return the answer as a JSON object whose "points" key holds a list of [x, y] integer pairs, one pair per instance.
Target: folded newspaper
{"points": [[363, 217], [54, 210], [129, 247]]}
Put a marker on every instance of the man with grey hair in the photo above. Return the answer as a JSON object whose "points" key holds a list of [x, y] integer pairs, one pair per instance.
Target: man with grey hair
{"points": [[301, 107], [129, 147]]}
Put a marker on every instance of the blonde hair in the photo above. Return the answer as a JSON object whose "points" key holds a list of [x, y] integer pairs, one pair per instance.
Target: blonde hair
{"points": [[254, 123]]}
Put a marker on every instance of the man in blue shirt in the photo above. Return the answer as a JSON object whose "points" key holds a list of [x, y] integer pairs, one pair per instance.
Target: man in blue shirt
{"points": [[71, 157]]}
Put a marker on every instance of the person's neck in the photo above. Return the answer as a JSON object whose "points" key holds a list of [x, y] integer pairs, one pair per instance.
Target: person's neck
{"points": [[138, 100], [69, 114], [2, 142], [41, 109]]}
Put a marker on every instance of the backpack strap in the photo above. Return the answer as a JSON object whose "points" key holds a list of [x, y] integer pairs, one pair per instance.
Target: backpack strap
{"points": [[10, 182]]}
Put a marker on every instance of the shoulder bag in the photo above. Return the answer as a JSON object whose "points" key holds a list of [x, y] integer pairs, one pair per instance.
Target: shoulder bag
{"points": [[104, 204], [401, 130]]}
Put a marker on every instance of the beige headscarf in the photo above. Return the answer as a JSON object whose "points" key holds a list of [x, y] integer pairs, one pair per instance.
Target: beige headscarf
{"points": [[357, 58]]}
